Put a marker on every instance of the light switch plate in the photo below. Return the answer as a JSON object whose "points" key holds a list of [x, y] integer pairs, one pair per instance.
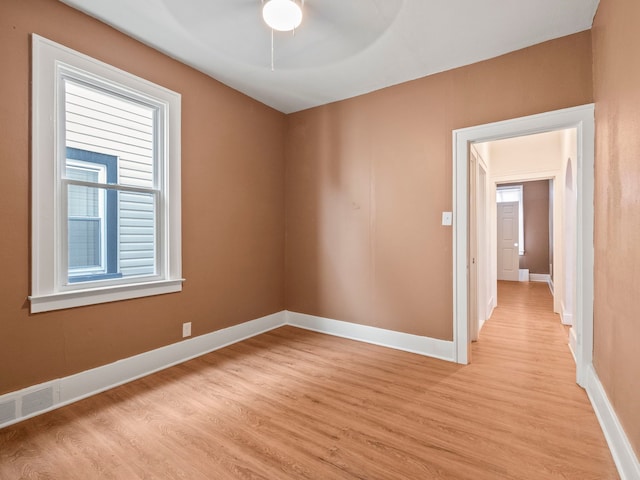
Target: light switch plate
{"points": [[447, 218], [186, 329]]}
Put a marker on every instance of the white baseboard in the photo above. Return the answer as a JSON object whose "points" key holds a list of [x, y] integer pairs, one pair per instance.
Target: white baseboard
{"points": [[542, 277], [539, 277], [430, 347], [38, 399], [491, 307], [621, 450], [566, 317], [573, 343], [523, 275], [481, 324]]}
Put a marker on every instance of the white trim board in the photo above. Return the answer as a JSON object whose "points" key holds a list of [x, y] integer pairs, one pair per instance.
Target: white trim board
{"points": [[63, 391], [582, 119], [566, 318], [431, 347], [572, 343], [539, 277], [621, 449]]}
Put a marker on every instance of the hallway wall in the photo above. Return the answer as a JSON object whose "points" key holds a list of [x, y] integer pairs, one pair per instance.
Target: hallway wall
{"points": [[616, 55]]}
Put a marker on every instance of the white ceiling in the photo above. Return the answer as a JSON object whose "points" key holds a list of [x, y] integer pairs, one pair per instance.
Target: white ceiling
{"points": [[343, 48]]}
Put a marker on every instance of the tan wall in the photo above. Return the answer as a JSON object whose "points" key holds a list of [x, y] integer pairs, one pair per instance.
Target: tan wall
{"points": [[368, 178], [536, 226], [232, 207], [616, 42]]}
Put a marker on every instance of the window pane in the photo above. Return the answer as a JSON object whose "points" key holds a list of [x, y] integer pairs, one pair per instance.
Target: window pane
{"points": [[84, 174], [107, 123], [84, 243], [87, 224], [109, 139], [83, 201], [137, 243], [116, 241], [507, 195]]}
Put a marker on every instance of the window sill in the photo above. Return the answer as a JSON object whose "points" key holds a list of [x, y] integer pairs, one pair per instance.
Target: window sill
{"points": [[79, 298]]}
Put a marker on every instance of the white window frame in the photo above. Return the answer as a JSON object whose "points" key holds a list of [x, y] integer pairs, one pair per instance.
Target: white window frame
{"points": [[102, 172], [48, 290]]}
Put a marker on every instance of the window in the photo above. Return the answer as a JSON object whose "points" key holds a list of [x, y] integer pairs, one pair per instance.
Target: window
{"points": [[92, 216], [105, 182], [514, 194]]}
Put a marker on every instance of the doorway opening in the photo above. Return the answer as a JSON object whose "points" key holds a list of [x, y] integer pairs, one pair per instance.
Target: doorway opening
{"points": [[466, 229]]}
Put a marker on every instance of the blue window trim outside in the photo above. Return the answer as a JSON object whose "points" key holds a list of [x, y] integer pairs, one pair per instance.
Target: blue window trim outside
{"points": [[111, 163]]}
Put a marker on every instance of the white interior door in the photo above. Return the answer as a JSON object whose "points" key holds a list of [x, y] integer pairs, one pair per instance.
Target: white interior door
{"points": [[478, 251], [508, 240]]}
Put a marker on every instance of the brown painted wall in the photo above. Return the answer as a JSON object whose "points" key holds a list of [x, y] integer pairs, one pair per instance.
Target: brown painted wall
{"points": [[616, 55], [368, 178], [536, 226], [232, 207]]}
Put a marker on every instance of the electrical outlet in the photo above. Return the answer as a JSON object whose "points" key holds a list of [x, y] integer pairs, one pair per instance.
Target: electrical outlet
{"points": [[186, 329]]}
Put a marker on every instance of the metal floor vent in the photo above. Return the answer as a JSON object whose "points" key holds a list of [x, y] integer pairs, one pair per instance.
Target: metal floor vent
{"points": [[8, 411], [37, 400]]}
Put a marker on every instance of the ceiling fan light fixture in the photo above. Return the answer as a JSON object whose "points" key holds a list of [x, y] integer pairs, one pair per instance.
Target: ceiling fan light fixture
{"points": [[282, 15]]}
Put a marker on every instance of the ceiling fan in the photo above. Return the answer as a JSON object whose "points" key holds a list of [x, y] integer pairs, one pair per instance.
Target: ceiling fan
{"points": [[282, 15], [326, 31]]}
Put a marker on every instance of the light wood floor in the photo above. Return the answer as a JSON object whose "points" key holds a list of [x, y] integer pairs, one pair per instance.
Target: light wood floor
{"points": [[292, 404]]}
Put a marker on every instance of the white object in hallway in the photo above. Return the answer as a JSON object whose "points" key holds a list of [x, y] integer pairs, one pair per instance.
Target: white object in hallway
{"points": [[508, 239]]}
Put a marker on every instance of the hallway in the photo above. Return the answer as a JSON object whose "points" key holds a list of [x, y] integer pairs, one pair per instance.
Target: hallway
{"points": [[522, 350], [525, 314]]}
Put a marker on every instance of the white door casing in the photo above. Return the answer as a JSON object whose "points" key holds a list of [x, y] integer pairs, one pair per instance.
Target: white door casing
{"points": [[508, 241], [483, 245], [581, 118], [478, 245], [473, 250]]}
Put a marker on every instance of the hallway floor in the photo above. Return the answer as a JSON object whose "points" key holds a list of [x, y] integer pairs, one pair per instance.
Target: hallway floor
{"points": [[523, 351], [524, 335]]}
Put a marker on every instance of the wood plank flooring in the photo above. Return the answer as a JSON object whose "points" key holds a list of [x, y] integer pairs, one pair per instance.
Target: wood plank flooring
{"points": [[293, 404]]}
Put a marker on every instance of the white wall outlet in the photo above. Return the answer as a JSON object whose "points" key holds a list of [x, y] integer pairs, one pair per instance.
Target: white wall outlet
{"points": [[186, 329], [447, 218]]}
